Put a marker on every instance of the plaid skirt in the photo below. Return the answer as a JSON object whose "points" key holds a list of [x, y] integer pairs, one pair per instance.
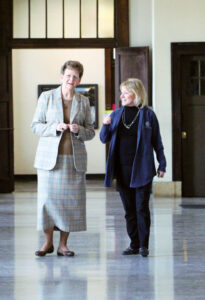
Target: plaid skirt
{"points": [[61, 197]]}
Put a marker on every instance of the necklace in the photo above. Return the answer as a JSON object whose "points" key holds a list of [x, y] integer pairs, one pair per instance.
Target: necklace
{"points": [[133, 121]]}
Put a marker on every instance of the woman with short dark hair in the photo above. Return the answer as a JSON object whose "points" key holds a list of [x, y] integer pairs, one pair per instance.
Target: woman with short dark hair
{"points": [[63, 122]]}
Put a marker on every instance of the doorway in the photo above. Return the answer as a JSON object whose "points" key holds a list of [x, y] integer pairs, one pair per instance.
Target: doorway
{"points": [[11, 40], [31, 67], [188, 103]]}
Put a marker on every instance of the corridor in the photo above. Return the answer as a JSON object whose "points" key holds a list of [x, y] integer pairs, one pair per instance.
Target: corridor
{"points": [[175, 268]]}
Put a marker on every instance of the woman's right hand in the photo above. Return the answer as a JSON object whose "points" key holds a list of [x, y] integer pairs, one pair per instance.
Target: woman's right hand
{"points": [[62, 127], [107, 120]]}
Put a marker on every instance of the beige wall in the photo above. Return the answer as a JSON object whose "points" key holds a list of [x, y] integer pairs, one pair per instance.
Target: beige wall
{"points": [[37, 66]]}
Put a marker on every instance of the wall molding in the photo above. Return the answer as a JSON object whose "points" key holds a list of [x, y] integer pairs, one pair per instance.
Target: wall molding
{"points": [[33, 177]]}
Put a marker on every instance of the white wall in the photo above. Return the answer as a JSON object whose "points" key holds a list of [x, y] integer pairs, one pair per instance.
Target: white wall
{"points": [[140, 12], [42, 66], [173, 21], [157, 24]]}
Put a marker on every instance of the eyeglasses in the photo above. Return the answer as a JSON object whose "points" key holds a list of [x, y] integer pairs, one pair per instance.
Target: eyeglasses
{"points": [[72, 77]]}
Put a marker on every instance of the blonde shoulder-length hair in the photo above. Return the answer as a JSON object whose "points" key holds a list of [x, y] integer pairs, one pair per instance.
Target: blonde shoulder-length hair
{"points": [[136, 86]]}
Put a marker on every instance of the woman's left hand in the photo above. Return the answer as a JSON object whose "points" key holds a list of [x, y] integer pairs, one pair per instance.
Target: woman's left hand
{"points": [[74, 128], [160, 174]]}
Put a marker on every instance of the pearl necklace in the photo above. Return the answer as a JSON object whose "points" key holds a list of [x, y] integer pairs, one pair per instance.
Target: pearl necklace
{"points": [[133, 121]]}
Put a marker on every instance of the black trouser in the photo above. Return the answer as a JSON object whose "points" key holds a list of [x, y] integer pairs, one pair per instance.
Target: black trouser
{"points": [[137, 214]]}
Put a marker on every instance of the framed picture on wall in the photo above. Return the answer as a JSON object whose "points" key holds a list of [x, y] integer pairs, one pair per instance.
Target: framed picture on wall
{"points": [[88, 90]]}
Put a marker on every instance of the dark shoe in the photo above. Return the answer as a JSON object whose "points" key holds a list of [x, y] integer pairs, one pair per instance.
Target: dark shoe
{"points": [[66, 253], [43, 253], [144, 251], [130, 251]]}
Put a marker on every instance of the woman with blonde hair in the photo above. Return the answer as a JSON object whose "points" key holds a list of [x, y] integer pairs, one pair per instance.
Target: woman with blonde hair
{"points": [[133, 133]]}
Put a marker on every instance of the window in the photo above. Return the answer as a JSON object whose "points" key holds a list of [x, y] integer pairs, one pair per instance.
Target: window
{"points": [[63, 19], [196, 78]]}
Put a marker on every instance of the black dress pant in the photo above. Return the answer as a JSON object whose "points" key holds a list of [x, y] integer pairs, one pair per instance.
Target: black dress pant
{"points": [[137, 213]]}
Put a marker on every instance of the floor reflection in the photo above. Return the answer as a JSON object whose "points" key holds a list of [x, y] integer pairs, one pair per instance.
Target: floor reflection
{"points": [[7, 247], [175, 268]]}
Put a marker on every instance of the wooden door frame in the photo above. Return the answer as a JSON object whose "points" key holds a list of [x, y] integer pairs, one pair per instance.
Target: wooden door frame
{"points": [[178, 50], [7, 43], [6, 106], [141, 52], [120, 39]]}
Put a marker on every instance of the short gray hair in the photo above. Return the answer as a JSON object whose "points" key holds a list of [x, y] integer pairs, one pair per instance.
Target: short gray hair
{"points": [[72, 64]]}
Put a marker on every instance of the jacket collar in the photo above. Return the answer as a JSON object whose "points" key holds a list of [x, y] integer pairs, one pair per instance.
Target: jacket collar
{"points": [[75, 104], [140, 125], [139, 130], [121, 109], [59, 103], [119, 115]]}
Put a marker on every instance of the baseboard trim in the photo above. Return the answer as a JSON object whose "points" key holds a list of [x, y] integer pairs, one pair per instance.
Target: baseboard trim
{"points": [[95, 176], [33, 177], [167, 189], [25, 177]]}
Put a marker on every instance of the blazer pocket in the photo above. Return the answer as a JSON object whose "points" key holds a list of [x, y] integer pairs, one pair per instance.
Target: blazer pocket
{"points": [[147, 129], [147, 132]]}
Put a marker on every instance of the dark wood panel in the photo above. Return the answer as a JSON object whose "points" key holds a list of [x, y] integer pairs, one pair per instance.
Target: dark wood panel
{"points": [[137, 67], [4, 112], [6, 161], [178, 50], [6, 125], [109, 83], [109, 79], [6, 174], [63, 43], [131, 63], [4, 155], [5, 23], [193, 126], [3, 78], [122, 23]]}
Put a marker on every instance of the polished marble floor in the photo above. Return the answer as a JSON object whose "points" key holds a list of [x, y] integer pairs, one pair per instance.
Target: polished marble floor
{"points": [[175, 268]]}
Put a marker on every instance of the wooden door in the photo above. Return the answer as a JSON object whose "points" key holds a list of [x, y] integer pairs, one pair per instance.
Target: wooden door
{"points": [[132, 62], [193, 125]]}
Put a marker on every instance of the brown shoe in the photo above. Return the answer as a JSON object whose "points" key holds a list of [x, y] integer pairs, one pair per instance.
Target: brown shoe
{"points": [[66, 253], [43, 253]]}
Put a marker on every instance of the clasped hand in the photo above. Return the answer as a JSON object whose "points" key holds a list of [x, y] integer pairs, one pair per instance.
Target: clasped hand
{"points": [[63, 126], [107, 120]]}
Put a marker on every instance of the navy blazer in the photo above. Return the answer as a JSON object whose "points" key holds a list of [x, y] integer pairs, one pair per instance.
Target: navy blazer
{"points": [[148, 139]]}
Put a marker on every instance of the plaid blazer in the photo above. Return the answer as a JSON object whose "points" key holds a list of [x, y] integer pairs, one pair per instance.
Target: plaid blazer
{"points": [[48, 114]]}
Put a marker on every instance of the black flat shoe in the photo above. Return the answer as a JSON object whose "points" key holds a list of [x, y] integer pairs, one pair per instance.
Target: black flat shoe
{"points": [[144, 251], [66, 253], [43, 253], [130, 251]]}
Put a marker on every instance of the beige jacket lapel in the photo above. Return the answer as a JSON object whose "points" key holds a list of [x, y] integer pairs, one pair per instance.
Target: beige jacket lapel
{"points": [[59, 104], [75, 106]]}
